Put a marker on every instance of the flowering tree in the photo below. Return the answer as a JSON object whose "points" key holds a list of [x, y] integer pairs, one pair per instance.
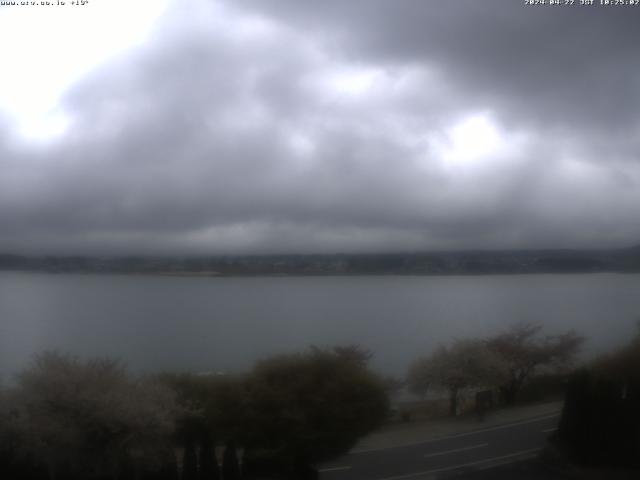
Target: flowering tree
{"points": [[464, 364], [89, 419], [524, 351]]}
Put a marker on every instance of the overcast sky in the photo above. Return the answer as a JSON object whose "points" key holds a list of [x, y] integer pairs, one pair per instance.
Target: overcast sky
{"points": [[241, 126]]}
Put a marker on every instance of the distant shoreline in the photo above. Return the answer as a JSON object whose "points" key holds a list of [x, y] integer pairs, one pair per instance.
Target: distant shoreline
{"points": [[311, 275], [502, 262]]}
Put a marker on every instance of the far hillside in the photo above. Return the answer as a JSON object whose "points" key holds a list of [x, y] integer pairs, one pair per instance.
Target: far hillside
{"points": [[474, 262]]}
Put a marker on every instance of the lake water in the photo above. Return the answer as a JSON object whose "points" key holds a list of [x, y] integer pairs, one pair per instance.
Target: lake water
{"points": [[157, 323]]}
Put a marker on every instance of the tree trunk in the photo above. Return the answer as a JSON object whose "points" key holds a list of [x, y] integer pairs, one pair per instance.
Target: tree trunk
{"points": [[508, 393], [453, 401], [190, 462], [208, 461], [230, 464], [510, 390], [51, 470]]}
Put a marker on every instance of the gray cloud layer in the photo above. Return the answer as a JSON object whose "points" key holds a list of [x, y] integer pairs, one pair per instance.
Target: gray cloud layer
{"points": [[283, 126]]}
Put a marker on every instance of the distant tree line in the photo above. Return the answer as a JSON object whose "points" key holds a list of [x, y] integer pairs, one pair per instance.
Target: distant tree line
{"points": [[67, 419], [420, 263]]}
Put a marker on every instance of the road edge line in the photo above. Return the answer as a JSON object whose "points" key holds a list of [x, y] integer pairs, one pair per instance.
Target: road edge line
{"points": [[456, 435], [495, 461]]}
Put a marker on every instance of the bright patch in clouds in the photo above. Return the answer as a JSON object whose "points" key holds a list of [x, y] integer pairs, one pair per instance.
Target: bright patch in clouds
{"points": [[44, 125], [301, 145], [352, 82], [52, 47], [472, 139]]}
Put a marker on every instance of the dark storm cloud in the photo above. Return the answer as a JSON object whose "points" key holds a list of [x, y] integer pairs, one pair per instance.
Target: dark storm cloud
{"points": [[560, 64], [331, 126]]}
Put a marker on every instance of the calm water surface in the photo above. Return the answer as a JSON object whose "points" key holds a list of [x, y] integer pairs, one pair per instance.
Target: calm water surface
{"points": [[226, 324]]}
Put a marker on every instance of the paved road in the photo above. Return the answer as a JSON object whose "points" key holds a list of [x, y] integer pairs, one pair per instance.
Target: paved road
{"points": [[435, 458]]}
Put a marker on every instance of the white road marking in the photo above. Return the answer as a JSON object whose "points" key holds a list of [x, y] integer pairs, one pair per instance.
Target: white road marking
{"points": [[456, 450], [549, 430], [463, 465], [457, 435], [334, 469]]}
